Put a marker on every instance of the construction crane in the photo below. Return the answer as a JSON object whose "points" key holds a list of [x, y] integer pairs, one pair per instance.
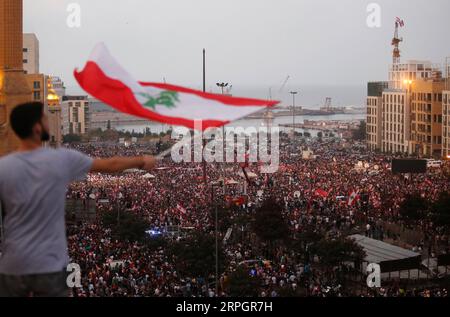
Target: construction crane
{"points": [[281, 87], [396, 41], [284, 84]]}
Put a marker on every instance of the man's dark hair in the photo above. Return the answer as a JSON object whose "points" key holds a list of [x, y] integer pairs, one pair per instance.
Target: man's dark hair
{"points": [[24, 117]]}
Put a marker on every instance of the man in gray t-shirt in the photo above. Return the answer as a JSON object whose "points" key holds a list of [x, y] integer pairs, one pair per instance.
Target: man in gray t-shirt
{"points": [[33, 185]]}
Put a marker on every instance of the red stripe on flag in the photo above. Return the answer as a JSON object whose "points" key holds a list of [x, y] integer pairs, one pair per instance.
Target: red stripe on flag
{"points": [[230, 101], [119, 96]]}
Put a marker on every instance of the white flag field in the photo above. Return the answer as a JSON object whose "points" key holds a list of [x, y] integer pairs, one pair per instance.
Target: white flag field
{"points": [[105, 79]]}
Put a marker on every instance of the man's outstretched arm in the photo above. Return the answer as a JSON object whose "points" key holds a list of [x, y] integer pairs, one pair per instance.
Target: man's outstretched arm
{"points": [[119, 164]]}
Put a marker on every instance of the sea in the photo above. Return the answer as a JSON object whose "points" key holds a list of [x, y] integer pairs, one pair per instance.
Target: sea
{"points": [[309, 97]]}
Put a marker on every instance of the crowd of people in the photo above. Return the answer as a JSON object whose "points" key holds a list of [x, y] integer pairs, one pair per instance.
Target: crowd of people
{"points": [[314, 192]]}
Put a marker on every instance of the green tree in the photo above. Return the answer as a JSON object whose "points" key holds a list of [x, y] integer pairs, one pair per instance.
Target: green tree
{"points": [[413, 207], [360, 133], [441, 210], [242, 284], [304, 242], [224, 218], [126, 226], [196, 255], [335, 252], [269, 224]]}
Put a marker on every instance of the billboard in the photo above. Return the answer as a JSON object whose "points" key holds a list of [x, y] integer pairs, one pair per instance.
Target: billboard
{"points": [[403, 166]]}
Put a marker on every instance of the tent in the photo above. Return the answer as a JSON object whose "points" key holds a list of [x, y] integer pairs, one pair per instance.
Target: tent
{"points": [[149, 176], [390, 257]]}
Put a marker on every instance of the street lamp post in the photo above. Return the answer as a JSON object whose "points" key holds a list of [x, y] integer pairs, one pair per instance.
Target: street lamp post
{"points": [[223, 86], [213, 185], [293, 93]]}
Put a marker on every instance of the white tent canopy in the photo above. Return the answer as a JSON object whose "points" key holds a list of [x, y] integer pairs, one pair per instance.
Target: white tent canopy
{"points": [[390, 257]]}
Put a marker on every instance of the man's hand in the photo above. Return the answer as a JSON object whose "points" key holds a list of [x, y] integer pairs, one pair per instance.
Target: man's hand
{"points": [[119, 164]]}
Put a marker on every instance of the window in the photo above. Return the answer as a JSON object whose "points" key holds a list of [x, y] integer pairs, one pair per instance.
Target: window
{"points": [[37, 85], [37, 95], [25, 50]]}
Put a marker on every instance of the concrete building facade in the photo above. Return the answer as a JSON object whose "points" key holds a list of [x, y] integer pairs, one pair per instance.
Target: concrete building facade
{"points": [[30, 53], [38, 87], [374, 114], [399, 121], [75, 115], [446, 124], [410, 70], [426, 117], [14, 89], [395, 121]]}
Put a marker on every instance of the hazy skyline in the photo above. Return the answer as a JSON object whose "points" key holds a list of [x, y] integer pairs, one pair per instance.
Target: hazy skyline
{"points": [[250, 43]]}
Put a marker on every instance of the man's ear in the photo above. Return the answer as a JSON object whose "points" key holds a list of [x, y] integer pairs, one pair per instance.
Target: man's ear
{"points": [[37, 129]]}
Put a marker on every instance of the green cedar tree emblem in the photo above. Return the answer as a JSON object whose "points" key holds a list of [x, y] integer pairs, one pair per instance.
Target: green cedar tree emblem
{"points": [[166, 98]]}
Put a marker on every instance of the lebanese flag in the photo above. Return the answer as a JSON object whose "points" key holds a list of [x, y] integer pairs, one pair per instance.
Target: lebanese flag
{"points": [[400, 22], [239, 201], [321, 193], [353, 198], [181, 209], [104, 79]]}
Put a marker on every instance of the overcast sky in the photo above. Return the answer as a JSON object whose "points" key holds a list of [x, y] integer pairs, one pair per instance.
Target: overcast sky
{"points": [[248, 42]]}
